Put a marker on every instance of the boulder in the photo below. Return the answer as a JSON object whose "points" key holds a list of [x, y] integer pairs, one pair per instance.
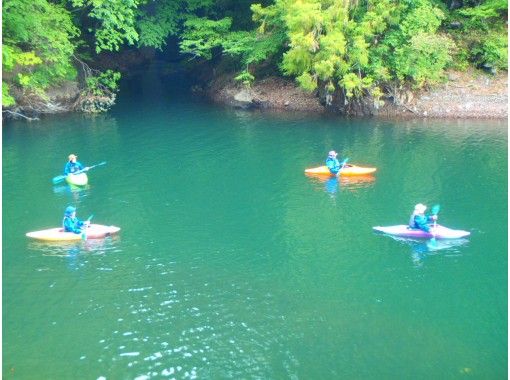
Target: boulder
{"points": [[244, 99]]}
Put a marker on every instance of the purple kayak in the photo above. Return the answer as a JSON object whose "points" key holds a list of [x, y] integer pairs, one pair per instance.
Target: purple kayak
{"points": [[438, 232]]}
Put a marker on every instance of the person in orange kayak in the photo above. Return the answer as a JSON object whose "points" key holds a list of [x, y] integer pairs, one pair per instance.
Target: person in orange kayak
{"points": [[71, 223], [419, 220], [333, 163], [73, 166]]}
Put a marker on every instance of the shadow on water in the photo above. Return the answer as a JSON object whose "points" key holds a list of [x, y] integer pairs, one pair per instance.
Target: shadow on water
{"points": [[158, 85]]}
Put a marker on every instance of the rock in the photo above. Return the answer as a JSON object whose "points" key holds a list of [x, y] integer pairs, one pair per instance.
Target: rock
{"points": [[455, 4], [453, 77], [489, 68], [67, 92], [244, 96], [243, 99], [286, 104], [262, 104]]}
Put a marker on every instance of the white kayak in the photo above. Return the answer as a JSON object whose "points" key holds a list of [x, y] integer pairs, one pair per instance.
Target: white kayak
{"points": [[438, 232]]}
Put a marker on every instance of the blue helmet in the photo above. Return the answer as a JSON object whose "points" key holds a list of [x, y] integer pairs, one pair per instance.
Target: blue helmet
{"points": [[70, 210]]}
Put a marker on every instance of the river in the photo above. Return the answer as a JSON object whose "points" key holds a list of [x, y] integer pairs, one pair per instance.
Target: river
{"points": [[231, 263]]}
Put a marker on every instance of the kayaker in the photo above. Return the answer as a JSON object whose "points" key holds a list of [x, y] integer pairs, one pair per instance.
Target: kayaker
{"points": [[71, 223], [332, 162], [419, 220], [72, 166]]}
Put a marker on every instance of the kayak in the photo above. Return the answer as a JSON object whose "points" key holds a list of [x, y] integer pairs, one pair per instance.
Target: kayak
{"points": [[94, 231], [77, 179], [347, 170], [438, 232]]}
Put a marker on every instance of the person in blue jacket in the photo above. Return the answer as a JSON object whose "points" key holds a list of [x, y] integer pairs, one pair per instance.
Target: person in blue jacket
{"points": [[71, 223], [72, 166], [332, 162], [419, 220]]}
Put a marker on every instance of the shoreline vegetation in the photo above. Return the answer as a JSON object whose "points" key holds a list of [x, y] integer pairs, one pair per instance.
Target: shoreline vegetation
{"points": [[411, 58], [466, 95]]}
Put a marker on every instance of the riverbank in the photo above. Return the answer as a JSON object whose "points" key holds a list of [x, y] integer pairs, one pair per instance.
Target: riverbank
{"points": [[470, 94]]}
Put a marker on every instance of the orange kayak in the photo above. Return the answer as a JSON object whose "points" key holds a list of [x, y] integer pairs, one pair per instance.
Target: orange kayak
{"points": [[94, 231], [347, 170]]}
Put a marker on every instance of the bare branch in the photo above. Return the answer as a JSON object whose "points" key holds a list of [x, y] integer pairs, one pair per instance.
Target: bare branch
{"points": [[21, 115]]}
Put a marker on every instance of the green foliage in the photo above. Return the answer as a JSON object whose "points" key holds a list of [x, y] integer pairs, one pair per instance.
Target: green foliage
{"points": [[104, 83], [483, 35], [38, 45], [201, 36], [245, 78], [422, 60], [7, 100], [481, 16], [157, 22], [356, 47], [251, 47], [492, 52], [116, 22], [307, 81]]}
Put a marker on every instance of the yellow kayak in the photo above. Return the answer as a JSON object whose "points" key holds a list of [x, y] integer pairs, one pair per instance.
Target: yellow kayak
{"points": [[77, 179], [94, 231], [347, 170]]}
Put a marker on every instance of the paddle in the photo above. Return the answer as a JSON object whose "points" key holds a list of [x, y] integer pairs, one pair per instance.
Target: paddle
{"points": [[60, 178], [342, 165], [435, 210], [84, 233]]}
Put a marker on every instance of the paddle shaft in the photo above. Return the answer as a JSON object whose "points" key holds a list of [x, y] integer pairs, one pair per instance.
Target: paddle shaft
{"points": [[60, 178], [84, 233], [435, 211], [88, 168], [341, 167]]}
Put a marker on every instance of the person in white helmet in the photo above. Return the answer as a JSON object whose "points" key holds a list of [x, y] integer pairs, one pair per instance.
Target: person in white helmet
{"points": [[419, 220], [73, 166], [333, 163]]}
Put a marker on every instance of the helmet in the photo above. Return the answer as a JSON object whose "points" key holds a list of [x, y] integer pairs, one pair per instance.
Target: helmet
{"points": [[72, 156], [420, 208], [70, 210], [332, 153]]}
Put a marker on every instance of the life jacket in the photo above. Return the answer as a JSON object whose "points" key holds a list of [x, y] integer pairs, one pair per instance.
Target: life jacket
{"points": [[333, 165], [72, 226]]}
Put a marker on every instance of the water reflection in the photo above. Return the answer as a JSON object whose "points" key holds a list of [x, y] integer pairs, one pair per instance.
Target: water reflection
{"points": [[76, 191], [76, 252], [332, 184], [422, 248]]}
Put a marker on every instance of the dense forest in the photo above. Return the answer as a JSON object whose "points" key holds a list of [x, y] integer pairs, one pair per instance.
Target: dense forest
{"points": [[357, 47]]}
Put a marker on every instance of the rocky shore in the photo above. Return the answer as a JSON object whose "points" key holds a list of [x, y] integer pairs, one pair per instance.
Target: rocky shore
{"points": [[471, 94], [66, 97]]}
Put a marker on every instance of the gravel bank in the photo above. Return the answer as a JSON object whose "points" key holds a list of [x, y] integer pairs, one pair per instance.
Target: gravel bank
{"points": [[470, 94]]}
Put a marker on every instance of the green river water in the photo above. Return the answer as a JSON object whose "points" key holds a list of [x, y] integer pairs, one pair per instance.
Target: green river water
{"points": [[231, 263]]}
